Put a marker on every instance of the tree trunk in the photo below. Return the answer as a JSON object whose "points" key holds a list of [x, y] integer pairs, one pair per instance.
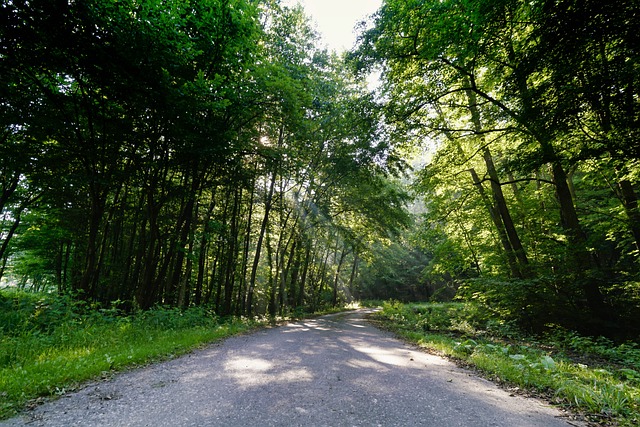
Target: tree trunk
{"points": [[272, 279], [296, 254], [256, 258], [354, 270], [303, 279], [343, 254], [89, 278], [202, 257], [498, 196], [495, 217], [630, 202], [282, 292], [242, 297], [230, 275], [577, 241]]}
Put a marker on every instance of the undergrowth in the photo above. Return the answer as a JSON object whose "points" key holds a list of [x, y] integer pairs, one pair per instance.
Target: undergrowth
{"points": [[49, 345], [588, 375]]}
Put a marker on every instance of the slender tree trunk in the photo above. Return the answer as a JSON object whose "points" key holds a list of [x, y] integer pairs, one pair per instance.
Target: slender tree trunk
{"points": [[232, 257], [498, 196], [256, 258], [272, 279], [354, 271], [303, 279], [296, 255], [212, 277], [323, 272], [495, 217], [204, 245], [109, 237], [150, 253], [224, 254], [505, 215], [282, 296], [133, 260], [184, 290], [282, 267], [343, 254], [242, 297], [90, 275]]}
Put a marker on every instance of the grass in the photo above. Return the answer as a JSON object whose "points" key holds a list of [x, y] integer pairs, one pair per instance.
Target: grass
{"points": [[51, 345], [591, 376]]}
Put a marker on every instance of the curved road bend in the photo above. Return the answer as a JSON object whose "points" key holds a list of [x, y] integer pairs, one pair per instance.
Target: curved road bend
{"points": [[336, 370]]}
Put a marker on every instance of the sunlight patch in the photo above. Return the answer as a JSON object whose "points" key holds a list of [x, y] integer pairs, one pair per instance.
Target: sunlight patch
{"points": [[250, 371], [248, 365], [383, 356], [367, 364]]}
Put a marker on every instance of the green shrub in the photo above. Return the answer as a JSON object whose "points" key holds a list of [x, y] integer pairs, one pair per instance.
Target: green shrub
{"points": [[531, 304]]}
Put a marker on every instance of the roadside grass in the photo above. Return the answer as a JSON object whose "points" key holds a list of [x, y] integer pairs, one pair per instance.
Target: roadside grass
{"points": [[591, 376], [51, 345]]}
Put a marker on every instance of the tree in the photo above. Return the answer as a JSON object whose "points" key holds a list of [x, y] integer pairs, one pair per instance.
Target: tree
{"points": [[188, 153], [524, 100]]}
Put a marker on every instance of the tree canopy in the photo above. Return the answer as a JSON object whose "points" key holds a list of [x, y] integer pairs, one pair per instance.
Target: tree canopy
{"points": [[530, 111], [186, 153], [208, 153]]}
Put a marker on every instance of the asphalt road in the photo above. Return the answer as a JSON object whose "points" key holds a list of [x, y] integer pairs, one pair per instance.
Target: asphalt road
{"points": [[332, 371]]}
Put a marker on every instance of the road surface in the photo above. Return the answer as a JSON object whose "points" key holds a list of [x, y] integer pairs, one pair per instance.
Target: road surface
{"points": [[336, 370]]}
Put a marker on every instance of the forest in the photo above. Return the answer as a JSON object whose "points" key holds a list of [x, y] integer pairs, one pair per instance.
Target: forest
{"points": [[210, 154]]}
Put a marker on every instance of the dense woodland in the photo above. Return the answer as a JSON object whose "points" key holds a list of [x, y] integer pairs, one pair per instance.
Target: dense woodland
{"points": [[530, 113], [210, 153], [187, 153]]}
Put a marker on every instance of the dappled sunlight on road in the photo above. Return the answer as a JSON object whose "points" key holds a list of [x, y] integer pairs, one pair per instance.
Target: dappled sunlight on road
{"points": [[247, 371], [295, 327], [343, 344], [248, 365], [388, 357], [366, 364]]}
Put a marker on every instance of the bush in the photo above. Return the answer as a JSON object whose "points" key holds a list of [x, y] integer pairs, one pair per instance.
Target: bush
{"points": [[532, 304]]}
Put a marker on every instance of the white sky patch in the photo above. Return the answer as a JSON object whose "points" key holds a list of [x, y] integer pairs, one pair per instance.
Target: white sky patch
{"points": [[336, 19]]}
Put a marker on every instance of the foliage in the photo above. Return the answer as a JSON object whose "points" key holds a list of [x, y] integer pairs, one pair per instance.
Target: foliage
{"points": [[187, 154], [585, 374], [523, 110], [394, 270]]}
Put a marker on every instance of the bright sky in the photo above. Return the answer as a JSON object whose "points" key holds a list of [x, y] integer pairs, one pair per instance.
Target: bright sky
{"points": [[336, 19]]}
